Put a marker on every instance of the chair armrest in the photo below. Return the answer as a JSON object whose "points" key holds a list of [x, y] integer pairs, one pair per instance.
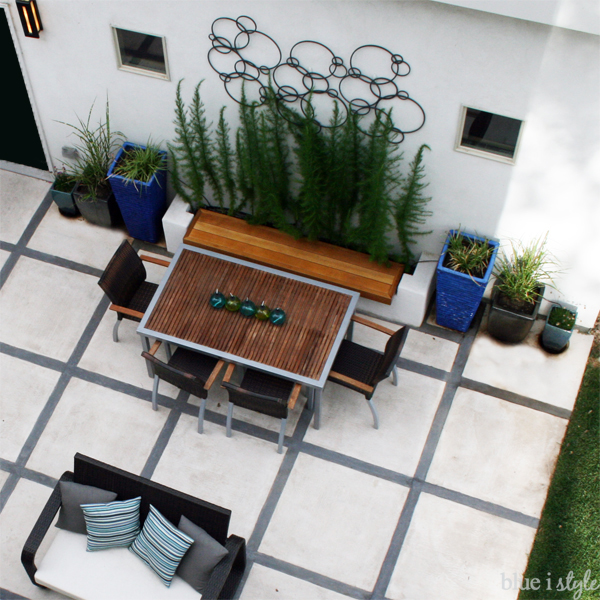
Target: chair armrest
{"points": [[228, 373], [214, 375], [155, 348], [353, 382], [227, 575], [40, 529], [126, 311], [372, 324], [294, 396], [156, 261]]}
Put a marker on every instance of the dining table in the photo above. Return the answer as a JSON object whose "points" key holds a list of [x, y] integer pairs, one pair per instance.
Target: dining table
{"points": [[302, 349]]}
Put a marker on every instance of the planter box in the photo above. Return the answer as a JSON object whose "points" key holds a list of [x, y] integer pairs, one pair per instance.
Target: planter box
{"points": [[175, 223], [103, 211], [554, 339], [508, 326], [459, 295], [64, 201], [316, 260], [142, 204]]}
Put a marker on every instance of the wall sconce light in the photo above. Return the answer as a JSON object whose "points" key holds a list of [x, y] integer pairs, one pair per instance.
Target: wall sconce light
{"points": [[30, 18]]}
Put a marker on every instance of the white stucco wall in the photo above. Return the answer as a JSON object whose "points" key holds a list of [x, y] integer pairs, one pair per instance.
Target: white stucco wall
{"points": [[544, 75]]}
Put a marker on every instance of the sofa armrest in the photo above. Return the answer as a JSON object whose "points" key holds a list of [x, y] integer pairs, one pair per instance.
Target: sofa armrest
{"points": [[41, 528], [227, 575]]}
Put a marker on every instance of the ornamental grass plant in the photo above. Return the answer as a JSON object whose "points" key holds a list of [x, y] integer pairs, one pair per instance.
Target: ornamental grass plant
{"points": [[139, 163], [97, 148], [522, 273], [468, 255]]}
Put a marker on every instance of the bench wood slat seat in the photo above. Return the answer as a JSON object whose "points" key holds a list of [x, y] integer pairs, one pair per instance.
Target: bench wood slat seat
{"points": [[273, 248]]}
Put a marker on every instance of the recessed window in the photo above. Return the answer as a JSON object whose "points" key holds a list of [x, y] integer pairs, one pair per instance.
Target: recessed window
{"points": [[141, 53], [489, 135]]}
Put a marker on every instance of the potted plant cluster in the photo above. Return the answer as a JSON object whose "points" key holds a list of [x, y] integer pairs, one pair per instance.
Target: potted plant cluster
{"points": [[559, 326], [62, 193], [96, 148], [138, 178], [463, 272], [521, 278]]}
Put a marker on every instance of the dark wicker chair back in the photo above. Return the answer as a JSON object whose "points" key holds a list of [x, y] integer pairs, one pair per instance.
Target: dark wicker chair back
{"points": [[392, 351], [123, 275], [267, 405], [171, 503], [181, 379]]}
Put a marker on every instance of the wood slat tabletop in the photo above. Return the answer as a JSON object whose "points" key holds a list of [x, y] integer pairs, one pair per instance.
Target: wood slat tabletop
{"points": [[301, 346]]}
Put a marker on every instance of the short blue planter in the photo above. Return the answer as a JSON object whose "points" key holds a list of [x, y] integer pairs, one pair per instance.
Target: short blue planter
{"points": [[142, 204], [459, 295]]}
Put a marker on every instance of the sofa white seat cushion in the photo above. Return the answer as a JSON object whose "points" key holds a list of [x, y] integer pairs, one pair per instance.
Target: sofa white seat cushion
{"points": [[115, 573]]}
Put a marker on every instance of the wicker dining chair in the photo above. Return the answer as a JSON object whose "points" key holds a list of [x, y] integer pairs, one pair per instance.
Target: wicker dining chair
{"points": [[262, 393], [124, 282], [190, 371], [360, 368]]}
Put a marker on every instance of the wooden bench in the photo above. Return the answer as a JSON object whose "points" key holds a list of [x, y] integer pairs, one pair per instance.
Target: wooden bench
{"points": [[274, 248]]}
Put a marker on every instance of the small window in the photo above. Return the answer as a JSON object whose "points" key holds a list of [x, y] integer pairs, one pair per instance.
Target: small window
{"points": [[141, 53], [489, 135]]}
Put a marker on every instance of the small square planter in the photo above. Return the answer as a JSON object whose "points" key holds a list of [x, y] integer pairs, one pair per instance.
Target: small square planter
{"points": [[142, 204], [102, 210], [555, 339], [507, 325], [64, 201], [458, 295]]}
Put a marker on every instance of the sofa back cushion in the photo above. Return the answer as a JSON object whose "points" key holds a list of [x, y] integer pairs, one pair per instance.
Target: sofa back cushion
{"points": [[171, 503]]}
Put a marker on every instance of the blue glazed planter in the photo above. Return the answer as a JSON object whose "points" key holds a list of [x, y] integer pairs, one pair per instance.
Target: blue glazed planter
{"points": [[142, 204], [459, 295]]}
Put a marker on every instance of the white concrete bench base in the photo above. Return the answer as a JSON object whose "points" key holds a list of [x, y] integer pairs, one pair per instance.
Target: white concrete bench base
{"points": [[115, 574]]}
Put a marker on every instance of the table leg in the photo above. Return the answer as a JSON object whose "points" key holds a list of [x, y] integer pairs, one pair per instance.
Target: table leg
{"points": [[146, 348], [317, 400]]}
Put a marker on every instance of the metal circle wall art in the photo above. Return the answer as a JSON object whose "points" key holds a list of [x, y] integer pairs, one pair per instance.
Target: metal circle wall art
{"points": [[249, 61]]}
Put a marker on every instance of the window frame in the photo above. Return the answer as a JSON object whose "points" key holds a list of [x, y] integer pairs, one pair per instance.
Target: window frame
{"points": [[140, 70], [486, 153]]}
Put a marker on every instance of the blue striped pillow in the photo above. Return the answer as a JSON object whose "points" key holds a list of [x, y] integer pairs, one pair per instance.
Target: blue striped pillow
{"points": [[112, 525], [161, 545]]}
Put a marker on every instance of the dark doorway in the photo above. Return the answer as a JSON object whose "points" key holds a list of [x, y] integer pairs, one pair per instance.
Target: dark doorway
{"points": [[19, 137]]}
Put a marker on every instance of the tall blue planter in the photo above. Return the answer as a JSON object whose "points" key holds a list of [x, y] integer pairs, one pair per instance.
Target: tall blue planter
{"points": [[459, 295], [142, 204]]}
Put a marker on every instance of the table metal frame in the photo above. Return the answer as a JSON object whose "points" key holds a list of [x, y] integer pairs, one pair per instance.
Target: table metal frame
{"points": [[314, 386]]}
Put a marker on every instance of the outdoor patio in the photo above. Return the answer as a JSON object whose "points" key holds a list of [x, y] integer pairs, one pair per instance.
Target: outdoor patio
{"points": [[442, 501]]}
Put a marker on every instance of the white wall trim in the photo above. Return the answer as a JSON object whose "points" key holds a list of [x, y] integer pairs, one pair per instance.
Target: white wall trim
{"points": [[38, 122]]}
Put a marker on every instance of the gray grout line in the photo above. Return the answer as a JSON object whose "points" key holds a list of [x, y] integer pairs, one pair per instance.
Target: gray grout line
{"points": [[435, 432], [61, 262], [389, 563], [26, 236], [163, 439], [8, 595], [481, 505], [310, 576], [356, 464], [421, 369], [32, 357], [514, 398]]}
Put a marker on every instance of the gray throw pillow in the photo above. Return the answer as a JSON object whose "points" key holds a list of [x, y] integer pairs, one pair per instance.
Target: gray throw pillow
{"points": [[72, 496], [202, 557]]}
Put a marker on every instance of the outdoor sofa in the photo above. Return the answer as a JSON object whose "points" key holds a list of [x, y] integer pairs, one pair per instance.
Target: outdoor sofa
{"points": [[117, 573]]}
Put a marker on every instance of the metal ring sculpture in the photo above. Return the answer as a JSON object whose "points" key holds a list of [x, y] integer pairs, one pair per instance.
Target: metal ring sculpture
{"points": [[241, 54]]}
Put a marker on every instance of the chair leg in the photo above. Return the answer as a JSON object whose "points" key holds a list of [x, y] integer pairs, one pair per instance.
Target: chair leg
{"points": [[281, 436], [201, 416], [374, 413], [168, 351], [229, 417], [155, 392], [395, 375], [116, 330]]}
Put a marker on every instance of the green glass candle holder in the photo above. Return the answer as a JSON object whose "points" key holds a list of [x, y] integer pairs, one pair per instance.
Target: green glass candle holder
{"points": [[248, 308], [263, 312], [278, 317], [218, 300], [233, 303]]}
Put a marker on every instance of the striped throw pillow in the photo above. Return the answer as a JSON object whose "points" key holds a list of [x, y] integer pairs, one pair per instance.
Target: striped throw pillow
{"points": [[112, 525], [161, 545]]}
